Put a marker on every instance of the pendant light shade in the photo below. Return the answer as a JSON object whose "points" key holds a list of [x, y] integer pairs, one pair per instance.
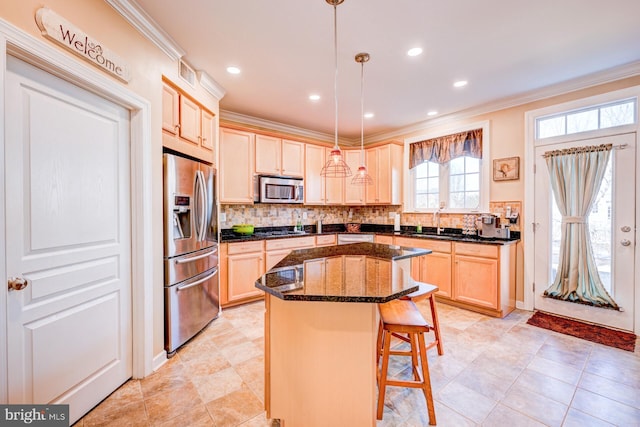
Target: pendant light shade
{"points": [[362, 177], [335, 166]]}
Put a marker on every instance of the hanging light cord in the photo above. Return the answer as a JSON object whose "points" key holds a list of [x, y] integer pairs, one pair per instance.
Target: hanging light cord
{"points": [[335, 78], [362, 113]]}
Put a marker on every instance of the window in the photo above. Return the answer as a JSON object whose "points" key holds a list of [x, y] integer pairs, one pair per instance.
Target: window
{"points": [[602, 116], [460, 184]]}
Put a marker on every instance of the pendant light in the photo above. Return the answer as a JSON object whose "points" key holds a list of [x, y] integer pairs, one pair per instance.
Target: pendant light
{"points": [[335, 166], [362, 177]]}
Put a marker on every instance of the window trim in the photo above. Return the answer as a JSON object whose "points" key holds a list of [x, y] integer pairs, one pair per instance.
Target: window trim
{"points": [[485, 168]]}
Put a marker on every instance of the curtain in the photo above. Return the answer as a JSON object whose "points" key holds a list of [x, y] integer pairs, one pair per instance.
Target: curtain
{"points": [[446, 148], [576, 175]]}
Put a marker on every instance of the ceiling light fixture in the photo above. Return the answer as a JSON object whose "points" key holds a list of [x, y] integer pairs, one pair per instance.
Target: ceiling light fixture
{"points": [[335, 166], [362, 177], [460, 83], [233, 70], [368, 115], [432, 113], [414, 51], [314, 97]]}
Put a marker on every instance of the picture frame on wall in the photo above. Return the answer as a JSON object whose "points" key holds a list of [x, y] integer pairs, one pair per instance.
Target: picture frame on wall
{"points": [[506, 169]]}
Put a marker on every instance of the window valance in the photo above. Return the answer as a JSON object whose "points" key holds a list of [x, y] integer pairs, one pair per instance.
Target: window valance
{"points": [[445, 148]]}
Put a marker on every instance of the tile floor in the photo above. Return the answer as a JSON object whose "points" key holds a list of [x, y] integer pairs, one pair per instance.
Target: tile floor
{"points": [[495, 372]]}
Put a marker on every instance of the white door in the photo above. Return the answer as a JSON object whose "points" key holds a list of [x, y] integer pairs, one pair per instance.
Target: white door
{"points": [[68, 234], [612, 230]]}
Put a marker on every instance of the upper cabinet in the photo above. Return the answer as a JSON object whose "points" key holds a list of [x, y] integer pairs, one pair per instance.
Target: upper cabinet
{"points": [[385, 167], [275, 156], [236, 166], [319, 190], [187, 126], [353, 193]]}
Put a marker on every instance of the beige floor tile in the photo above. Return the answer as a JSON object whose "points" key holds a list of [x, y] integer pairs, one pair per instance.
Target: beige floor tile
{"points": [[133, 414], [484, 383], [171, 376], [198, 416], [535, 405], [611, 389], [577, 418], [547, 386], [241, 352], [467, 402], [215, 386], [605, 409], [260, 421], [502, 416], [178, 402], [567, 355], [559, 371], [235, 408]]}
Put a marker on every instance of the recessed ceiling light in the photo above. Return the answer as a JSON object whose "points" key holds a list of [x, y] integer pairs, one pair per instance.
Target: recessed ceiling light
{"points": [[314, 97], [460, 83], [233, 70], [432, 113], [414, 51], [368, 115]]}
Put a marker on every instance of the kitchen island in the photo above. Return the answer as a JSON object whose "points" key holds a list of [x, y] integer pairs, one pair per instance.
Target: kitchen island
{"points": [[320, 330]]}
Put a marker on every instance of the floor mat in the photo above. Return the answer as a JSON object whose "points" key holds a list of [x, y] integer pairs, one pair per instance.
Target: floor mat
{"points": [[612, 338]]}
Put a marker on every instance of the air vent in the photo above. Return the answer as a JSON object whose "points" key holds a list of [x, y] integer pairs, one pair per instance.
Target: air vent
{"points": [[187, 73]]}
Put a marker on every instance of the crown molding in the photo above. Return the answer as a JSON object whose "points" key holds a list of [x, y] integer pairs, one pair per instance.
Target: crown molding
{"points": [[607, 76], [230, 116], [141, 21], [210, 85]]}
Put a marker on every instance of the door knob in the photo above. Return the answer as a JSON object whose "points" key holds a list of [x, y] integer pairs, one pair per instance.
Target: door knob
{"points": [[625, 228], [17, 283], [625, 242]]}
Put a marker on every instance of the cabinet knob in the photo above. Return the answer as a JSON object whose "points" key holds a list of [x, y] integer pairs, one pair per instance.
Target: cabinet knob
{"points": [[177, 126]]}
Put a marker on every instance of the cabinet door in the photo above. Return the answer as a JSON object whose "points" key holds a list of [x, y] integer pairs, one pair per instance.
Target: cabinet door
{"points": [[333, 187], [274, 257], [268, 153], [170, 109], [353, 193], [371, 192], [292, 158], [476, 281], [313, 182], [383, 175], [236, 166], [208, 131], [354, 282], [243, 271], [189, 120], [435, 268], [384, 240]]}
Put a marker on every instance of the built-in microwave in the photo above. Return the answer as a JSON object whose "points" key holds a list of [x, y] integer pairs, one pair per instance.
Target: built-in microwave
{"points": [[278, 189]]}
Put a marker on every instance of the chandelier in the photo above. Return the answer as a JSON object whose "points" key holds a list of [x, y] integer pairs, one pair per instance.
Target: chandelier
{"points": [[335, 167], [362, 177]]}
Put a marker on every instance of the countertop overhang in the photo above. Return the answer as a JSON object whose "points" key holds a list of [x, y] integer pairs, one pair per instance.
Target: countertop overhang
{"points": [[359, 272]]}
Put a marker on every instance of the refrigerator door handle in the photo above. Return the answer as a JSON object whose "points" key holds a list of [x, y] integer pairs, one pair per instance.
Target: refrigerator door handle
{"points": [[198, 282], [204, 205], [195, 258]]}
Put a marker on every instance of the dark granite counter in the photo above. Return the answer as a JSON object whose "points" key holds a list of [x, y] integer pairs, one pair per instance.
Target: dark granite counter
{"points": [[359, 272], [451, 234]]}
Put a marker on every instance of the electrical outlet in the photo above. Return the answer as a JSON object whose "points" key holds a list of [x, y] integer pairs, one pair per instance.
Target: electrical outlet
{"points": [[392, 214], [223, 217], [304, 215]]}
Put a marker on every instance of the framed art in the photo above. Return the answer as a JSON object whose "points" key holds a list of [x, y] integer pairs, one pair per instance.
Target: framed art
{"points": [[506, 169]]}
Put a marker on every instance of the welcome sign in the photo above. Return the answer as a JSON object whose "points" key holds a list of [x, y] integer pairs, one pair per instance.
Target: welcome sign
{"points": [[56, 28]]}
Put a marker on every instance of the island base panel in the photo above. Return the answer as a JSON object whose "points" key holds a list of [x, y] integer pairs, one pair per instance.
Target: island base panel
{"points": [[321, 363]]}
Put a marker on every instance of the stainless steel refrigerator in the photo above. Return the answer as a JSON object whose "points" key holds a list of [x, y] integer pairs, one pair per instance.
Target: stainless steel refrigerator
{"points": [[191, 285]]}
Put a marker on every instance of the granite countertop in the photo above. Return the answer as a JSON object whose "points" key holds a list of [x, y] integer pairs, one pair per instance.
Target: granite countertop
{"points": [[359, 272], [451, 234]]}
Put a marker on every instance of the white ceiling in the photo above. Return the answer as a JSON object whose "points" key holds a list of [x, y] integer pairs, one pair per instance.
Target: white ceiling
{"points": [[504, 48]]}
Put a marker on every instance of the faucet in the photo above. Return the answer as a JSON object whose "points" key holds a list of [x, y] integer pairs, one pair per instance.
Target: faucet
{"points": [[436, 219]]}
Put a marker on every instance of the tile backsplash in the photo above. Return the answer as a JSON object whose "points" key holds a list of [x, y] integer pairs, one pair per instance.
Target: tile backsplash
{"points": [[269, 215]]}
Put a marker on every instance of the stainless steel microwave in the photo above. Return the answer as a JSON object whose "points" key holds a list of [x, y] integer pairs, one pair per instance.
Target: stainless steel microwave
{"points": [[278, 189]]}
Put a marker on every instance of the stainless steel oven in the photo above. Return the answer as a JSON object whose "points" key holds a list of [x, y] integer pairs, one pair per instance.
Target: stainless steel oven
{"points": [[278, 189]]}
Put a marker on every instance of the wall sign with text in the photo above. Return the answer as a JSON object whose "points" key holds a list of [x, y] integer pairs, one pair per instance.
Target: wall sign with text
{"points": [[56, 28]]}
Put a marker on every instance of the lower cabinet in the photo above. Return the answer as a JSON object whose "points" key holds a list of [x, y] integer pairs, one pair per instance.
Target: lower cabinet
{"points": [[476, 276], [242, 265]]}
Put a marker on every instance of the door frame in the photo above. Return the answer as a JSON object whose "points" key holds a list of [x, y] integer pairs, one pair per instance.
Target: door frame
{"points": [[24, 46], [529, 182]]}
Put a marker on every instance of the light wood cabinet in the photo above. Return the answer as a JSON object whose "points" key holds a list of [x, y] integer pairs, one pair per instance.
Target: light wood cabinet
{"points": [[187, 126], [476, 281], [275, 156], [434, 268], [244, 265], [320, 190], [326, 240], [384, 240], [385, 167], [236, 166], [353, 193], [276, 250]]}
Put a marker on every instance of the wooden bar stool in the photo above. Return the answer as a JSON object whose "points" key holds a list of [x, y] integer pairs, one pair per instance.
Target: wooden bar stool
{"points": [[403, 317], [426, 290]]}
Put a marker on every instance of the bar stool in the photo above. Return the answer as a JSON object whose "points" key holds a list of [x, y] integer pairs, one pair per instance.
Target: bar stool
{"points": [[426, 290], [403, 317]]}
